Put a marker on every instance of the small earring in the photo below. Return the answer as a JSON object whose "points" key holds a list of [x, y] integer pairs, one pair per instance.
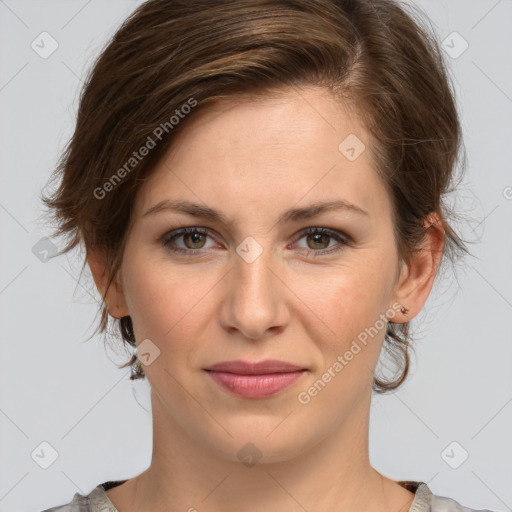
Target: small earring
{"points": [[139, 370], [404, 310]]}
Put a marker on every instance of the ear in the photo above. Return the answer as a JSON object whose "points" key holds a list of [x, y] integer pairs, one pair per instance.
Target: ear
{"points": [[417, 277], [114, 299]]}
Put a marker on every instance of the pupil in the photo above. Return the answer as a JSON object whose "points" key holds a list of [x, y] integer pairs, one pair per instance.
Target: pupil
{"points": [[316, 238], [195, 237]]}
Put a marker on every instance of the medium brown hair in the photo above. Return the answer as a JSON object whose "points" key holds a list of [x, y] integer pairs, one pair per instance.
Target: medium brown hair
{"points": [[374, 56]]}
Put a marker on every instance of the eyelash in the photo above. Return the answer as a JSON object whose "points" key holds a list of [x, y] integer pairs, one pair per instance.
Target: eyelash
{"points": [[339, 237]]}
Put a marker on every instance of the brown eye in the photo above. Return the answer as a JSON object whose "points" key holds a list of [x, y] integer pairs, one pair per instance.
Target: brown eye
{"points": [[318, 240], [195, 239]]}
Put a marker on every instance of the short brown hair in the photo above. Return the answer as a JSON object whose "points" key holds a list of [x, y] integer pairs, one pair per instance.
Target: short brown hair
{"points": [[373, 55]]}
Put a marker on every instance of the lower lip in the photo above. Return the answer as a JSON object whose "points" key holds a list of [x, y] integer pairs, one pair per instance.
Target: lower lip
{"points": [[255, 386]]}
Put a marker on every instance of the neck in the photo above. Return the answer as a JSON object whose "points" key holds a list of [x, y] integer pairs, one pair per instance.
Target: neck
{"points": [[335, 474]]}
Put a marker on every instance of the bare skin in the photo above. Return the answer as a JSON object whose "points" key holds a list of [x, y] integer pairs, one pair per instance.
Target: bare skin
{"points": [[253, 160]]}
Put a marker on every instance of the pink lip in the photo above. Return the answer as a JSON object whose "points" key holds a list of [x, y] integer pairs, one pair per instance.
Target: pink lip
{"points": [[254, 380], [259, 368]]}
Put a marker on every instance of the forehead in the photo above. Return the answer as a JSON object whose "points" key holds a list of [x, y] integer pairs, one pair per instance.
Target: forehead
{"points": [[287, 116], [272, 149]]}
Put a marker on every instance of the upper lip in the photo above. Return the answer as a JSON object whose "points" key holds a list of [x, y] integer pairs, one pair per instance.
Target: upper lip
{"points": [[257, 368]]}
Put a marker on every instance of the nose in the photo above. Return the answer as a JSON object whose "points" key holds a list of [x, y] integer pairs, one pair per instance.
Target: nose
{"points": [[255, 301]]}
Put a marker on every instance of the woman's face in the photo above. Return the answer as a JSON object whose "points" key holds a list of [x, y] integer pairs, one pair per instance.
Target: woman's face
{"points": [[257, 286]]}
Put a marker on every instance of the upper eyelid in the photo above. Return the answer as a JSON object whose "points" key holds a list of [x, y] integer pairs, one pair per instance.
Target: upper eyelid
{"points": [[179, 232]]}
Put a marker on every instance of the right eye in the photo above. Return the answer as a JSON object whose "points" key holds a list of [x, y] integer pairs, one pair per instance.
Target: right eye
{"points": [[193, 239]]}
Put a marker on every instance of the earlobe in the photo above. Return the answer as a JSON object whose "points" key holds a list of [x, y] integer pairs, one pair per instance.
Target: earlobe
{"points": [[417, 276]]}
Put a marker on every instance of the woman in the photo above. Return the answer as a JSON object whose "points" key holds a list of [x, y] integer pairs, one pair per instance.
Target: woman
{"points": [[258, 187]]}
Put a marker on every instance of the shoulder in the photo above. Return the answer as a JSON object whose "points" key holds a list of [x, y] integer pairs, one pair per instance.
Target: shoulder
{"points": [[95, 501], [444, 504], [79, 503], [426, 501]]}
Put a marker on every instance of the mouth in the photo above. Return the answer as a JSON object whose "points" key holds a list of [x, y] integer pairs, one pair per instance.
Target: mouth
{"points": [[255, 368], [255, 380]]}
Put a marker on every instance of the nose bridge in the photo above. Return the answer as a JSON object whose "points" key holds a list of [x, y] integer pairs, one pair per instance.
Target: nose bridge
{"points": [[254, 304], [253, 269], [255, 275]]}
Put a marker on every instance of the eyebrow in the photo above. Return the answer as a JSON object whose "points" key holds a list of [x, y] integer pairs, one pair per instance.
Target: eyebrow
{"points": [[292, 215]]}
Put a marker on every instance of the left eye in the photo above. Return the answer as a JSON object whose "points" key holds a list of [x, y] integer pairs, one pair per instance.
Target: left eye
{"points": [[318, 236], [194, 240]]}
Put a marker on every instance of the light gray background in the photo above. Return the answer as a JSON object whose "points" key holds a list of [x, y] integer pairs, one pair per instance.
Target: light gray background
{"points": [[59, 389]]}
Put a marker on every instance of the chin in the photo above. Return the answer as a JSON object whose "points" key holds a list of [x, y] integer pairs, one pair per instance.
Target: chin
{"points": [[264, 443]]}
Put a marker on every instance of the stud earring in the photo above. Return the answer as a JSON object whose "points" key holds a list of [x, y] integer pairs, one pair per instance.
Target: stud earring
{"points": [[404, 310]]}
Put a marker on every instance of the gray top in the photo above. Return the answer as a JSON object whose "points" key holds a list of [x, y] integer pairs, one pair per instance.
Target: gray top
{"points": [[424, 500]]}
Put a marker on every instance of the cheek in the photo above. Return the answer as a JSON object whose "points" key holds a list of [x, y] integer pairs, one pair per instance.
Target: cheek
{"points": [[169, 304], [349, 300], [160, 297]]}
